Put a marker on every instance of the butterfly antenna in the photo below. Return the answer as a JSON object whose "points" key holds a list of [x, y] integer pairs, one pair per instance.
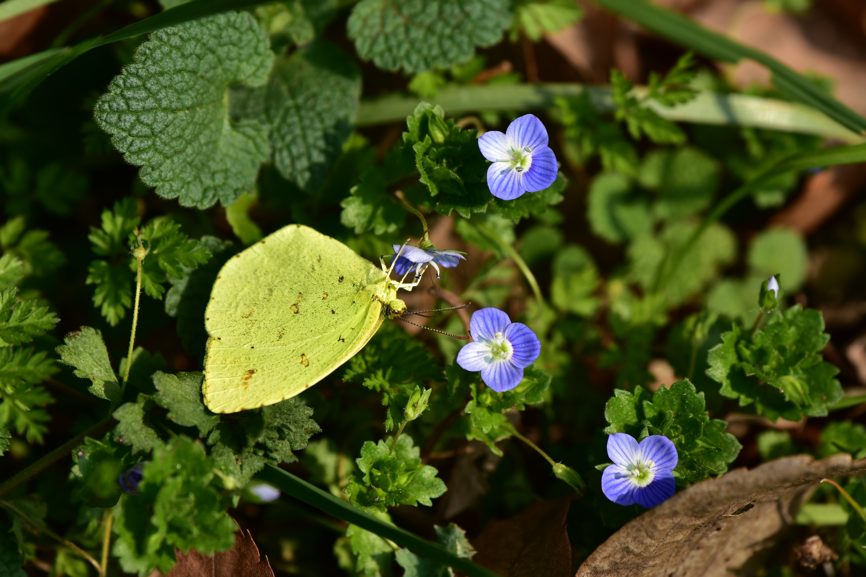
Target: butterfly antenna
{"points": [[441, 332], [442, 310]]}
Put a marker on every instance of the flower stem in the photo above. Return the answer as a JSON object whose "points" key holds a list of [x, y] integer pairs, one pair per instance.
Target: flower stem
{"points": [[408, 206], [139, 253], [845, 495], [518, 260], [106, 541], [533, 446]]}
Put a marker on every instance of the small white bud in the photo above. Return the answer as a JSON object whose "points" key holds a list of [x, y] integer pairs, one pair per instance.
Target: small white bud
{"points": [[773, 286]]}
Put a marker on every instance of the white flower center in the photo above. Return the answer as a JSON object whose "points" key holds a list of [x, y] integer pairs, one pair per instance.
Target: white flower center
{"points": [[641, 472], [500, 348], [521, 159]]}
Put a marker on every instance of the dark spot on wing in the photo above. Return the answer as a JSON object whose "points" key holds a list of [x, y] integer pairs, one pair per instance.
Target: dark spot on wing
{"points": [[341, 339], [324, 296], [319, 258], [281, 332], [333, 312], [341, 279], [245, 381], [305, 362], [247, 313], [295, 308], [296, 305]]}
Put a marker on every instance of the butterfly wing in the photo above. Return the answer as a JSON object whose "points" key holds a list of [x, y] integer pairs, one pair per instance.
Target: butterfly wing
{"points": [[285, 313]]}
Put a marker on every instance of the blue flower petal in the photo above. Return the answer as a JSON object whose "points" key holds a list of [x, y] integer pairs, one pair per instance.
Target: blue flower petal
{"points": [[505, 182], [617, 486], [413, 253], [524, 343], [661, 451], [485, 323], [622, 449], [527, 131], [501, 376], [495, 146], [474, 356], [542, 172], [661, 489], [448, 258], [403, 266]]}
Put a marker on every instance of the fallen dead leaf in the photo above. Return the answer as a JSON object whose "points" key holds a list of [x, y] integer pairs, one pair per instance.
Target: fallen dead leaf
{"points": [[719, 527], [242, 560], [533, 543]]}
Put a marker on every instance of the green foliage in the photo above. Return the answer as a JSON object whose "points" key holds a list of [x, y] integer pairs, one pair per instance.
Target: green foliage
{"points": [[775, 444], [685, 179], [615, 212], [372, 554], [679, 413], [390, 473], [171, 255], [448, 161], [132, 430], [575, 281], [453, 538], [5, 441], [38, 255], [178, 125], [180, 394], [98, 465], [588, 134], [788, 5], [534, 18], [845, 437], [22, 320], [311, 101], [778, 367], [780, 251], [178, 507], [417, 35], [85, 352]]}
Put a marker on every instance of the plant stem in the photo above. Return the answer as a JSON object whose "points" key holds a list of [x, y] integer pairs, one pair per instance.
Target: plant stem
{"points": [[848, 402], [518, 260], [845, 495], [106, 541], [139, 253], [408, 206], [319, 499], [55, 455], [533, 446]]}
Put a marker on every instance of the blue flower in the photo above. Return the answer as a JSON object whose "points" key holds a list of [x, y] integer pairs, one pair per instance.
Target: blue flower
{"points": [[131, 478], [641, 473], [413, 257], [522, 161], [500, 349]]}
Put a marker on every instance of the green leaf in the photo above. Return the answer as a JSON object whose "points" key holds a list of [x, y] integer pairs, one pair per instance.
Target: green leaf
{"points": [[615, 212], [238, 217], [12, 271], [372, 553], [169, 112], [391, 473], [116, 226], [843, 436], [453, 538], [131, 429], [39, 255], [531, 203], [780, 251], [311, 103], [11, 563], [85, 352], [171, 255], [22, 407], [686, 180], [181, 395], [641, 120], [22, 320], [538, 17], [417, 35], [113, 292], [779, 367], [370, 207], [177, 507], [775, 444], [575, 280], [23, 366], [679, 413], [392, 360]]}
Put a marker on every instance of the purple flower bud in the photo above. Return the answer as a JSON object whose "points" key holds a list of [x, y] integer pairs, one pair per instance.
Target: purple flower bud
{"points": [[130, 479]]}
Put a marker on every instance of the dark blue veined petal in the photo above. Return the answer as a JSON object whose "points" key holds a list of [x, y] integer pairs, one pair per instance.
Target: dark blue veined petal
{"points": [[501, 376], [413, 253], [527, 131], [495, 146], [505, 182], [448, 258], [131, 478], [622, 449], [661, 451], [542, 172], [474, 356], [660, 490], [485, 323], [524, 343], [617, 485]]}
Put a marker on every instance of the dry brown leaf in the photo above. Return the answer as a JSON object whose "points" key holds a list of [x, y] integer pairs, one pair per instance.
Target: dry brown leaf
{"points": [[530, 544], [719, 527], [242, 560]]}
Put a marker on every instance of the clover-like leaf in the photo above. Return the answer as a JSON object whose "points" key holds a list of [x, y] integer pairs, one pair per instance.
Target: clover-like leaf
{"points": [[417, 35], [169, 111], [85, 351]]}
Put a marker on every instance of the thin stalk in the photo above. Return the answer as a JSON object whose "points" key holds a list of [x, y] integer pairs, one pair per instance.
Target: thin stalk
{"points": [[518, 260], [408, 206], [55, 455], [41, 528], [854, 504], [327, 503], [533, 446], [139, 253], [848, 402], [106, 542]]}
